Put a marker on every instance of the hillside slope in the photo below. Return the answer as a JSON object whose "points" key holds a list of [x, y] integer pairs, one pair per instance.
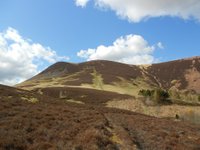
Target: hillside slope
{"points": [[122, 78], [183, 74], [51, 123]]}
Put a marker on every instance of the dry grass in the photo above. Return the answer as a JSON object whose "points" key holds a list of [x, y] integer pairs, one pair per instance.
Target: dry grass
{"points": [[187, 113], [30, 99], [191, 115], [97, 80], [74, 101], [122, 87]]}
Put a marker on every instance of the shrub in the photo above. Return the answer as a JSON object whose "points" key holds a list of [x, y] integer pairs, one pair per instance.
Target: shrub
{"points": [[158, 95], [146, 93]]}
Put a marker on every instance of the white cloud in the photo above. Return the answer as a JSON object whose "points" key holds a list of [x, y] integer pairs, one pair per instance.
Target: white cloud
{"points": [[160, 45], [131, 49], [137, 10], [19, 57], [81, 3]]}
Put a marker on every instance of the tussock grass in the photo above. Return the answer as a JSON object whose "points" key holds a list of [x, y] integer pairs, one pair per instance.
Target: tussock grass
{"points": [[186, 113]]}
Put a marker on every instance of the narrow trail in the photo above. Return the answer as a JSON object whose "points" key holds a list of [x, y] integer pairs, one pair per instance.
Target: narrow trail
{"points": [[120, 136], [145, 73]]}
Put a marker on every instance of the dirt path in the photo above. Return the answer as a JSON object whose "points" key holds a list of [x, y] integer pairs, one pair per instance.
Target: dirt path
{"points": [[153, 133], [120, 136], [145, 73]]}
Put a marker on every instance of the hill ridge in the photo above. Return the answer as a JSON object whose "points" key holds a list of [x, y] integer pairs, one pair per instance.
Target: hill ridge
{"points": [[177, 74]]}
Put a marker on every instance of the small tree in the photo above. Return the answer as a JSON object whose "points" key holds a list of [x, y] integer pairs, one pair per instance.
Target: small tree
{"points": [[145, 93], [158, 95], [161, 96]]}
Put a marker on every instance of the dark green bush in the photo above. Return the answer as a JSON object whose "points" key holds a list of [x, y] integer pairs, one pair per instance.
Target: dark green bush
{"points": [[146, 93], [161, 96], [157, 95]]}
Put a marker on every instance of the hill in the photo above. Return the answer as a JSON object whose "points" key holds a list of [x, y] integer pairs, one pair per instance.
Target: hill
{"points": [[180, 75], [84, 106], [51, 123], [10, 93]]}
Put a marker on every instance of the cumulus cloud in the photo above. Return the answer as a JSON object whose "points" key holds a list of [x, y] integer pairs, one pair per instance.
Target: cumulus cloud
{"points": [[81, 3], [137, 10], [20, 59], [131, 49]]}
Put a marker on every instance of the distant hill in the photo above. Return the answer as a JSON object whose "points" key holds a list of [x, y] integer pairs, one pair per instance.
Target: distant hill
{"points": [[183, 75]]}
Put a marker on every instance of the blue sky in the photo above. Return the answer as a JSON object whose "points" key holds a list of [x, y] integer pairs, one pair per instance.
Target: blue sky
{"points": [[62, 27]]}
